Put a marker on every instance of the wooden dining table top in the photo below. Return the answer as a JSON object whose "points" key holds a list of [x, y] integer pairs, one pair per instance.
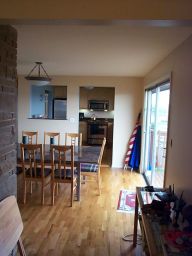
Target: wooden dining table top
{"points": [[82, 154]]}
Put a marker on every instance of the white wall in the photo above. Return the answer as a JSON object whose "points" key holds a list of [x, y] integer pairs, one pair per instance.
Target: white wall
{"points": [[179, 170], [128, 103]]}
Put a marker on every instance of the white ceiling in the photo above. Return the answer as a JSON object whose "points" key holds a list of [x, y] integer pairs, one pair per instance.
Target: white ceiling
{"points": [[114, 50]]}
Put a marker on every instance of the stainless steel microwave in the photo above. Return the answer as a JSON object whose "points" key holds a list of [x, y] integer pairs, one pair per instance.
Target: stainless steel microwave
{"points": [[98, 105]]}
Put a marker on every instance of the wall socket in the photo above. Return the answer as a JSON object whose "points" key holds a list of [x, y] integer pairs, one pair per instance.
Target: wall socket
{"points": [[72, 120]]}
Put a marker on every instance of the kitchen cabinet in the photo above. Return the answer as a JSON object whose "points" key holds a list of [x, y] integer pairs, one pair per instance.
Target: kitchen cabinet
{"points": [[83, 98], [60, 91], [110, 134], [83, 130]]}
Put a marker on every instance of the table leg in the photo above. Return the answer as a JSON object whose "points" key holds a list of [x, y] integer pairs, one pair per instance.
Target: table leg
{"points": [[135, 222], [78, 182]]}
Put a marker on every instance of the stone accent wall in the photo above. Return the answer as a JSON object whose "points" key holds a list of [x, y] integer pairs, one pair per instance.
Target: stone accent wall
{"points": [[8, 110]]}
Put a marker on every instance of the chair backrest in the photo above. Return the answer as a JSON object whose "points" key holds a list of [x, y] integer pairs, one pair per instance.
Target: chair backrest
{"points": [[102, 150], [31, 137], [50, 137], [73, 139], [60, 156], [11, 225], [32, 160]]}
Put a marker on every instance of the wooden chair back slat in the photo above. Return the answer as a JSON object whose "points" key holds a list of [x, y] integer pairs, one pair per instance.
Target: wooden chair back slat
{"points": [[53, 135], [32, 136], [102, 151], [93, 170], [31, 158], [59, 156], [73, 139]]}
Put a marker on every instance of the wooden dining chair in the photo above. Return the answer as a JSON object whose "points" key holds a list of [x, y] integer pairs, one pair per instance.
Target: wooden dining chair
{"points": [[93, 170], [33, 168], [11, 227], [62, 173], [29, 137], [52, 138], [73, 139]]}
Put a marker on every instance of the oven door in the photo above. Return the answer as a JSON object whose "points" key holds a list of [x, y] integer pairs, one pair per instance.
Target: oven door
{"points": [[96, 133]]}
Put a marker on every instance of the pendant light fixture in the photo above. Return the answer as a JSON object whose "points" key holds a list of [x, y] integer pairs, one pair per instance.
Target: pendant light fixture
{"points": [[41, 77]]}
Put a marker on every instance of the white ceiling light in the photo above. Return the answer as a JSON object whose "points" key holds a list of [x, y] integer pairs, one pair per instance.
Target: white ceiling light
{"points": [[41, 78]]}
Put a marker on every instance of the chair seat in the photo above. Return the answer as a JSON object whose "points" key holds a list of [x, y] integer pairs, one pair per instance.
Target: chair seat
{"points": [[68, 174], [47, 172], [87, 167]]}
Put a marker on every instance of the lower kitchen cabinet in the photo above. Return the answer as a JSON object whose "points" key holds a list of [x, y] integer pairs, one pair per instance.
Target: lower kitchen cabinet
{"points": [[83, 130], [110, 134]]}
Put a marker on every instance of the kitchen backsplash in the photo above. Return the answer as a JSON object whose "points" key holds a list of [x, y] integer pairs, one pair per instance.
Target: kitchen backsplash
{"points": [[97, 114]]}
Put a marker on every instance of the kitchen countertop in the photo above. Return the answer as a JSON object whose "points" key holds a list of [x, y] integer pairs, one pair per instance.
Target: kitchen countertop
{"points": [[97, 120]]}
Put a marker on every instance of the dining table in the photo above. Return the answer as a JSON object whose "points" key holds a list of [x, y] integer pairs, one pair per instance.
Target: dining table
{"points": [[82, 154]]}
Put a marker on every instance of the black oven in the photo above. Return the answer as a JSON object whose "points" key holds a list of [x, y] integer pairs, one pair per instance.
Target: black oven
{"points": [[96, 131]]}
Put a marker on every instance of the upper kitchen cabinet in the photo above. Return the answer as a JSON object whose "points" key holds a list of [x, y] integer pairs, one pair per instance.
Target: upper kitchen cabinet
{"points": [[60, 92], [84, 98], [96, 93]]}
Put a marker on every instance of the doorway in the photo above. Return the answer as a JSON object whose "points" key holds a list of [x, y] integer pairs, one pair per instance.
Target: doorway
{"points": [[156, 112], [96, 116]]}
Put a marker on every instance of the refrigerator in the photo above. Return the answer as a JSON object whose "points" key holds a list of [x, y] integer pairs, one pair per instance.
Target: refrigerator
{"points": [[59, 108]]}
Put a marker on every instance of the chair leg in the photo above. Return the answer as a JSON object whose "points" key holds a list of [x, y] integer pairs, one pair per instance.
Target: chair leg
{"points": [[42, 193], [24, 192], [57, 189], [99, 184], [72, 189], [83, 179], [53, 193], [31, 187], [21, 247]]}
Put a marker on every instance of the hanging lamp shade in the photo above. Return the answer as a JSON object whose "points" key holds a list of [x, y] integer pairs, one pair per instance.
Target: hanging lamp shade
{"points": [[38, 75]]}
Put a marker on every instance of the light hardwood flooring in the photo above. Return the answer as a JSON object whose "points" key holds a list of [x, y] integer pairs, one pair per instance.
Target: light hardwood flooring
{"points": [[92, 227]]}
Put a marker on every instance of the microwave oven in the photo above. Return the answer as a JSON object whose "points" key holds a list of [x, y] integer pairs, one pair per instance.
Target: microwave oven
{"points": [[98, 105]]}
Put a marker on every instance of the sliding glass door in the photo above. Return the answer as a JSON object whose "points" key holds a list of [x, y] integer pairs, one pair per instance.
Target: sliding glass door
{"points": [[155, 133]]}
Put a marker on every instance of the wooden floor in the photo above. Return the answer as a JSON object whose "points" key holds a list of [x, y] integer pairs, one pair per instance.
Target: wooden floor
{"points": [[90, 227]]}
